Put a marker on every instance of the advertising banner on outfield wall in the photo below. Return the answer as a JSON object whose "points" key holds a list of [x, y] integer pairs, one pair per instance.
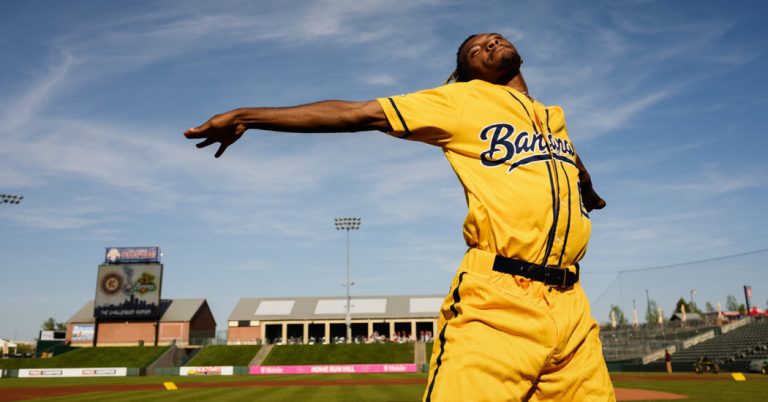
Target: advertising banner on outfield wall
{"points": [[74, 372], [206, 370], [128, 291], [334, 369]]}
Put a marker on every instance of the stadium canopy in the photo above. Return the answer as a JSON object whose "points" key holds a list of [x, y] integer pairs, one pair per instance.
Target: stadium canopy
{"points": [[322, 319]]}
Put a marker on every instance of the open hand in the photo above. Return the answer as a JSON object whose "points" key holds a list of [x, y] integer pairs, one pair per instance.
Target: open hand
{"points": [[222, 128]]}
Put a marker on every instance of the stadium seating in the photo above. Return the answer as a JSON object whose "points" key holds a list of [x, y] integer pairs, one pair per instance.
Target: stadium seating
{"points": [[740, 345], [626, 343]]}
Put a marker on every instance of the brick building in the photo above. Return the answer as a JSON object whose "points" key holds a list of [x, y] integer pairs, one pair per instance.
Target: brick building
{"points": [[182, 321]]}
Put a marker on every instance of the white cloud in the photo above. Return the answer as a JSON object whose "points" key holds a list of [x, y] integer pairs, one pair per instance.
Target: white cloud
{"points": [[378, 80], [20, 109]]}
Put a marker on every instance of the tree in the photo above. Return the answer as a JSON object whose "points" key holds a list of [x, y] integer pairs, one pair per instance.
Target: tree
{"points": [[731, 304], [620, 318], [742, 309], [693, 308], [681, 303], [652, 314], [710, 308], [51, 325], [25, 348]]}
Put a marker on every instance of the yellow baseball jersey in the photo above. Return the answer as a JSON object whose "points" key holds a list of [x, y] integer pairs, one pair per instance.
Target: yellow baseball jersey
{"points": [[513, 156]]}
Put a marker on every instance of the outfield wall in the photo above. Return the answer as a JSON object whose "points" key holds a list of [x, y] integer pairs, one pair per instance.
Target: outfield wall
{"points": [[71, 372], [334, 369], [206, 370]]}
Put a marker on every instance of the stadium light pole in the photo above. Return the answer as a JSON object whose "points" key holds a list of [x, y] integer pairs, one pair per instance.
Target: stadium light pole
{"points": [[10, 198], [347, 224], [647, 304]]}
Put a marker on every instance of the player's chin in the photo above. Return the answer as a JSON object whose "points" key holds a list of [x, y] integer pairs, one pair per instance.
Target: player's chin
{"points": [[511, 62]]}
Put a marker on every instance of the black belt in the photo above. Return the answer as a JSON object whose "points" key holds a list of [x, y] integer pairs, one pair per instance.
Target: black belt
{"points": [[559, 277]]}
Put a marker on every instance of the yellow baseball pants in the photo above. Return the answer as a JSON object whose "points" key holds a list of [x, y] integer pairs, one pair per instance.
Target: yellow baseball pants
{"points": [[507, 338]]}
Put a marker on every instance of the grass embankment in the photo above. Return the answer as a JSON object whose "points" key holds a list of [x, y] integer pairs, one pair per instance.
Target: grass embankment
{"points": [[223, 355], [340, 354], [92, 357], [429, 346]]}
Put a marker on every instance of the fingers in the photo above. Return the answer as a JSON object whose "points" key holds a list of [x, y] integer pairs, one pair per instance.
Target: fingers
{"points": [[198, 132], [592, 200], [205, 143], [211, 133], [220, 151]]}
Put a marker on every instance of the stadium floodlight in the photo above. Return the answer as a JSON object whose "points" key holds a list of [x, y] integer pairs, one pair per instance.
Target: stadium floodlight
{"points": [[10, 198], [347, 224]]}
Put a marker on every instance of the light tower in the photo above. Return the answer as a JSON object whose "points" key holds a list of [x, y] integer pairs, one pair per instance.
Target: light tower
{"points": [[347, 224], [10, 198]]}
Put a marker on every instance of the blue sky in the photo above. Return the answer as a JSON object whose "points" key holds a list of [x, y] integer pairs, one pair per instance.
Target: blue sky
{"points": [[664, 101]]}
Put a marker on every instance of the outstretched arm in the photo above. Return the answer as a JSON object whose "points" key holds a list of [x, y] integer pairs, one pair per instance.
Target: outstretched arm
{"points": [[331, 116]]}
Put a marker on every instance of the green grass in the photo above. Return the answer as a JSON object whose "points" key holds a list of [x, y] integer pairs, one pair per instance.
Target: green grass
{"points": [[429, 346], [712, 388], [238, 392], [92, 357], [223, 355], [340, 354]]}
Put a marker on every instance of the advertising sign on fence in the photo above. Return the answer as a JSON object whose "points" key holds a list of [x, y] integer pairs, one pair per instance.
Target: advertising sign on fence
{"points": [[334, 369], [206, 370], [74, 372]]}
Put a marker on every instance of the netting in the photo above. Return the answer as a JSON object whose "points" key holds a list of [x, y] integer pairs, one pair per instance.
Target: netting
{"points": [[701, 284]]}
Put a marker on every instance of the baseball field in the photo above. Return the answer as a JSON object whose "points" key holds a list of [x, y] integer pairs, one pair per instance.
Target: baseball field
{"points": [[355, 387]]}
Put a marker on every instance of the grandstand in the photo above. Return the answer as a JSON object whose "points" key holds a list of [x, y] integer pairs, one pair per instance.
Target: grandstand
{"points": [[309, 320], [629, 343], [740, 345], [733, 346]]}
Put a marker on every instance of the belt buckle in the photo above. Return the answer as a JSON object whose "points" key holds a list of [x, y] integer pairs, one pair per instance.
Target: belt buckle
{"points": [[565, 277], [552, 271]]}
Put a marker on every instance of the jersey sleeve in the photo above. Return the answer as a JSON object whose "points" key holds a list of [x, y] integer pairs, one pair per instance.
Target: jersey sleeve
{"points": [[431, 116]]}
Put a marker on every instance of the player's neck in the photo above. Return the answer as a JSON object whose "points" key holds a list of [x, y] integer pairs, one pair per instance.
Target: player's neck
{"points": [[518, 84]]}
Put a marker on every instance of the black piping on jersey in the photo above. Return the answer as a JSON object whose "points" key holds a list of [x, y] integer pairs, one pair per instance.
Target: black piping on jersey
{"points": [[439, 360], [402, 121], [568, 226], [565, 159], [555, 190], [551, 235], [547, 113], [535, 130], [555, 204]]}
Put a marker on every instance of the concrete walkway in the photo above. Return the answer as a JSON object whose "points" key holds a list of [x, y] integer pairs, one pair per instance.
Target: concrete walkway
{"points": [[263, 352]]}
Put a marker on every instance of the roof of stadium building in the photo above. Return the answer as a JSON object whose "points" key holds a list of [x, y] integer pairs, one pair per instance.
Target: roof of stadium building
{"points": [[332, 308], [171, 310]]}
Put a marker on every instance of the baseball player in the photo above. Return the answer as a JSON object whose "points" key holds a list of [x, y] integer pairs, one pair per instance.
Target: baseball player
{"points": [[516, 324]]}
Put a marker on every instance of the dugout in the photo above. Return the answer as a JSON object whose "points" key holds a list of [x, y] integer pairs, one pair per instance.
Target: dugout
{"points": [[182, 322], [323, 319]]}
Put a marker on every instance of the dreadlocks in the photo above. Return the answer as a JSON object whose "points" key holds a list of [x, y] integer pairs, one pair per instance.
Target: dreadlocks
{"points": [[462, 71], [460, 74]]}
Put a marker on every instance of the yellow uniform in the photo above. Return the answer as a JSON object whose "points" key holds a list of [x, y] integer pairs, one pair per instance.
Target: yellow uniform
{"points": [[504, 336]]}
